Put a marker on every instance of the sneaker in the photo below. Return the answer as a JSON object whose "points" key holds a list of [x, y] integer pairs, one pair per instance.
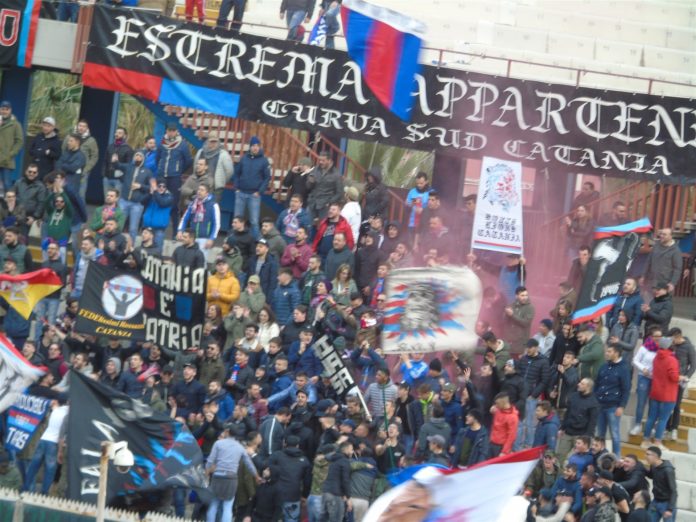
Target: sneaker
{"points": [[661, 446], [645, 444], [635, 430], [675, 434], [667, 435]]}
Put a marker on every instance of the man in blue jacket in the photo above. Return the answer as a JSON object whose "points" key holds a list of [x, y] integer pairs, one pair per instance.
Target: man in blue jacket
{"points": [[265, 265], [173, 159], [203, 216], [286, 296], [630, 301], [612, 389], [250, 178], [547, 430]]}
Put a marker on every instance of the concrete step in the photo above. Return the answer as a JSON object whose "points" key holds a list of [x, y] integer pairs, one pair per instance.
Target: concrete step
{"points": [[688, 406], [674, 445], [688, 420]]}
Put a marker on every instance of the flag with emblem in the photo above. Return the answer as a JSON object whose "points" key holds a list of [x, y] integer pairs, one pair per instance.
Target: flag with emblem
{"points": [[16, 373], [23, 292]]}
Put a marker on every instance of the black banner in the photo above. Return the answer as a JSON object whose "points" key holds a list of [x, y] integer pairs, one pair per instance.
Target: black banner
{"points": [[174, 304], [12, 15], [296, 85], [341, 379], [165, 452], [111, 304], [613, 251]]}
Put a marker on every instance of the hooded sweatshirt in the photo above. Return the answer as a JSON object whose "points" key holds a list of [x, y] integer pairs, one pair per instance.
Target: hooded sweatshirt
{"points": [[376, 195]]}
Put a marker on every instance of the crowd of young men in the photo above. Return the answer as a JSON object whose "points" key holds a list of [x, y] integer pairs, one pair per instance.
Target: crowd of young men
{"points": [[278, 439]]}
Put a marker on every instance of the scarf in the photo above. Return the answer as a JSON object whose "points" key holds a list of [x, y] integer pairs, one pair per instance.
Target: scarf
{"points": [[107, 212], [172, 143], [650, 344], [291, 223], [212, 156], [198, 210]]}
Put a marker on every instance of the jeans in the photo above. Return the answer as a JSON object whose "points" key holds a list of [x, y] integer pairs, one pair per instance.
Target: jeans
{"points": [[658, 413], [291, 512], [608, 418], [45, 309], [211, 516], [407, 439], [73, 181], [179, 501], [8, 178], [657, 508], [159, 239], [174, 186], [109, 184], [525, 429], [642, 392], [294, 20], [46, 453], [225, 8], [332, 508], [314, 508], [244, 200], [84, 181], [67, 11], [134, 211]]}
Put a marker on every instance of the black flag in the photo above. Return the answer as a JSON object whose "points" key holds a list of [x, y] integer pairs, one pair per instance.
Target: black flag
{"points": [[166, 454]]}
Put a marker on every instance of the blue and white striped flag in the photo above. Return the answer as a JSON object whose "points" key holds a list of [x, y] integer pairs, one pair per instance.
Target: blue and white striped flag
{"points": [[318, 34]]}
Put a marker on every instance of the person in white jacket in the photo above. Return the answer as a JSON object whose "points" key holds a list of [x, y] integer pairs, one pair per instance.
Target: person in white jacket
{"points": [[219, 160], [351, 211], [643, 362]]}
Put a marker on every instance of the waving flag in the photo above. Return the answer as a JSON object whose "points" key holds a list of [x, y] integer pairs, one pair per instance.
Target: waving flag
{"points": [[318, 34], [386, 45], [23, 292], [166, 454], [16, 373], [431, 309], [613, 251], [476, 494]]}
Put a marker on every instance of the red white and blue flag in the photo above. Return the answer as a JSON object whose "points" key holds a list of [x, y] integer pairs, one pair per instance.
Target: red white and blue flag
{"points": [[386, 45], [16, 373], [477, 494]]}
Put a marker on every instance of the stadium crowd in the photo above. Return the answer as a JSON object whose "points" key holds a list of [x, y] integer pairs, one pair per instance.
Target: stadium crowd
{"points": [[279, 441]]}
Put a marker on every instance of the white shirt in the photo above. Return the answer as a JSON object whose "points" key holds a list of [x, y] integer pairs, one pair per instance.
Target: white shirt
{"points": [[351, 211], [55, 423], [644, 360]]}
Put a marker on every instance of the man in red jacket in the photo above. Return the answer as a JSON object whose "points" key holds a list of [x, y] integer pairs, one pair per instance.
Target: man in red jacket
{"points": [[332, 224], [663, 393], [505, 421]]}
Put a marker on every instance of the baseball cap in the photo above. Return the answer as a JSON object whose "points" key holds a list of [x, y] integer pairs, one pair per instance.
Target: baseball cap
{"points": [[5, 105], [660, 286], [255, 279], [603, 489], [606, 474], [189, 365], [168, 369], [49, 120], [292, 440], [348, 422], [511, 362], [262, 241], [549, 453], [437, 439], [449, 387]]}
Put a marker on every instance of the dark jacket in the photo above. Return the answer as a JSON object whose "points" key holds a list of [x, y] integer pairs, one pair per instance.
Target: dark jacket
{"points": [[564, 384], [686, 355], [660, 313], [581, 415], [547, 431], [367, 260], [173, 158], [664, 483], [189, 256], [31, 195], [137, 174], [72, 162], [296, 184], [436, 426], [272, 432], [514, 385], [252, 173], [453, 415], [479, 449], [285, 299], [376, 200], [45, 151], [293, 473], [336, 258], [246, 244], [114, 169], [338, 479], [664, 264], [193, 392], [268, 273], [325, 187], [613, 384], [535, 372], [632, 481], [630, 304]]}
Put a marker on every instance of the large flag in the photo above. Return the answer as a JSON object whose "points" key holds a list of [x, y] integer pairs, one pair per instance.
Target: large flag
{"points": [[23, 418], [431, 309], [165, 453], [16, 373], [613, 251], [477, 494], [498, 218], [111, 304], [318, 34], [23, 292], [18, 22], [386, 46]]}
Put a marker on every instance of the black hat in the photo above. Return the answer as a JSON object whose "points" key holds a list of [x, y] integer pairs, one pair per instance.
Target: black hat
{"points": [[168, 369], [661, 286], [189, 364], [606, 474], [605, 490], [292, 440]]}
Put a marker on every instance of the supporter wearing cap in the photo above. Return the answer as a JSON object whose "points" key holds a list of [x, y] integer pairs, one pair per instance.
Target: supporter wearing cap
{"points": [[286, 296], [220, 163], [436, 450], [11, 142], [265, 266], [250, 179], [606, 510], [173, 159], [659, 311], [223, 287], [535, 370], [544, 475], [188, 392], [45, 148], [451, 406]]}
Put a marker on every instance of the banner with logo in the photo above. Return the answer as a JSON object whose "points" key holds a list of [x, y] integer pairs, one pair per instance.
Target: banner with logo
{"points": [[165, 453], [498, 218], [111, 304], [341, 379], [431, 309], [562, 127], [174, 302], [22, 292], [18, 22], [23, 418], [16, 373], [613, 251]]}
